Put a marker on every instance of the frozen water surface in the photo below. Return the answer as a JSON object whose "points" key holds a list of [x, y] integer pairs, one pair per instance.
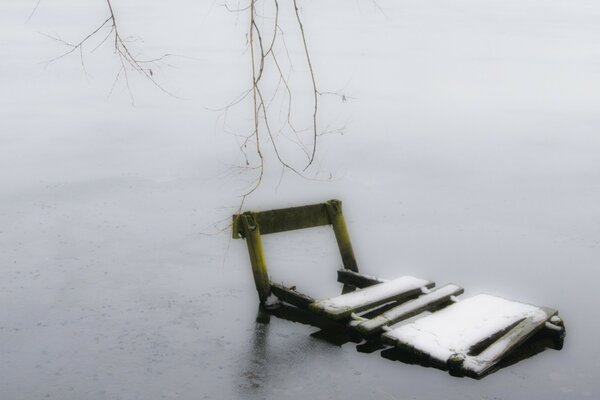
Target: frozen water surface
{"points": [[469, 155]]}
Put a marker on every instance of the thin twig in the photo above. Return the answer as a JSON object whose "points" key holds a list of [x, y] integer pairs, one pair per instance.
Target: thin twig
{"points": [[33, 11], [314, 84]]}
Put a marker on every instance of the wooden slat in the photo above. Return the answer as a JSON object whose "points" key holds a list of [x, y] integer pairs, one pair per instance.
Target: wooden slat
{"points": [[409, 309], [285, 219], [466, 330], [291, 296], [349, 277], [341, 307], [296, 314], [485, 361]]}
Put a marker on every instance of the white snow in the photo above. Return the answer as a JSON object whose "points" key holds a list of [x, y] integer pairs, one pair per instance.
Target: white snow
{"points": [[462, 325], [412, 306], [376, 294], [489, 357]]}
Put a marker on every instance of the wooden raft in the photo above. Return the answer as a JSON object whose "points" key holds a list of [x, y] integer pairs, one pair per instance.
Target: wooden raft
{"points": [[469, 337]]}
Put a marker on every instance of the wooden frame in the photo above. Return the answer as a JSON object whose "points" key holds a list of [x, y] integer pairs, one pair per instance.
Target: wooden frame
{"points": [[251, 225], [372, 311]]}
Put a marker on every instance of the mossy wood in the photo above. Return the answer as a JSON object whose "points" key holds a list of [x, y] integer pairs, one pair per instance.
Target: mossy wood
{"points": [[476, 333], [251, 232], [251, 225], [285, 219]]}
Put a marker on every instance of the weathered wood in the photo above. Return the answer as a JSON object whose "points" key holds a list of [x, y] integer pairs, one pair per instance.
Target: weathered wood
{"points": [[409, 309], [295, 314], [336, 218], [291, 296], [251, 232], [355, 279], [469, 337], [342, 306], [467, 330], [479, 365], [285, 219]]}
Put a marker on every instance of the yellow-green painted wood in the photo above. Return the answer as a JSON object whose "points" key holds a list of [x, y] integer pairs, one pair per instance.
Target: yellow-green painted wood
{"points": [[251, 232]]}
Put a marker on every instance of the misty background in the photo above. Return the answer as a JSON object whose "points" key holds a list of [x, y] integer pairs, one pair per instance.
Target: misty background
{"points": [[469, 154]]}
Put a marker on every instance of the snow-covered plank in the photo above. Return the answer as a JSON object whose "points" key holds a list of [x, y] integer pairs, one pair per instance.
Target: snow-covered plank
{"points": [[483, 362], [356, 279], [340, 307], [460, 327], [409, 309]]}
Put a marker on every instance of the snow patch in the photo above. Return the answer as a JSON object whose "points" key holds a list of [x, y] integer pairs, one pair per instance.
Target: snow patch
{"points": [[457, 328]]}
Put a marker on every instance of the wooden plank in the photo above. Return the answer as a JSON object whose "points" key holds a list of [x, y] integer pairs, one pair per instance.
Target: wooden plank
{"points": [[482, 363], [285, 219], [464, 327], [291, 296], [409, 309], [302, 316], [341, 307], [349, 277]]}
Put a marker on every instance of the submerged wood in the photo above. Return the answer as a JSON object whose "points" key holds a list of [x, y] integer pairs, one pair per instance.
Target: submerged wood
{"points": [[291, 296]]}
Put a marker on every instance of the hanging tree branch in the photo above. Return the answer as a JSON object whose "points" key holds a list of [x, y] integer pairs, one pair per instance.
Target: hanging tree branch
{"points": [[314, 85], [128, 61], [262, 55]]}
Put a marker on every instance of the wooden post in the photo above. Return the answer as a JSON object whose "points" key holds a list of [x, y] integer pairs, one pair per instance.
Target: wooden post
{"points": [[336, 218], [251, 232]]}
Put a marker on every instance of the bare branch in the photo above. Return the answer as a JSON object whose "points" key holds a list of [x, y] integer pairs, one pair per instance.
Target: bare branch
{"points": [[128, 61], [314, 84], [33, 11]]}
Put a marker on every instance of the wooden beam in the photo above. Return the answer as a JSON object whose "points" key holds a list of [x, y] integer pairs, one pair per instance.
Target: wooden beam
{"points": [[291, 296], [285, 219], [296, 314], [355, 279]]}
